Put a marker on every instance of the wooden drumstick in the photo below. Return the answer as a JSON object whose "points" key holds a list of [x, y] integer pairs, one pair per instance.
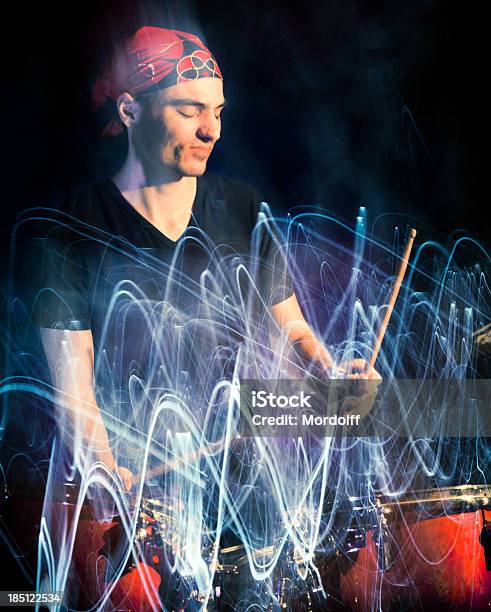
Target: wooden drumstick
{"points": [[158, 470], [393, 297]]}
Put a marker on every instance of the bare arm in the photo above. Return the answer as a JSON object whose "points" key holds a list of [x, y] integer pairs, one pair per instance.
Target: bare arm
{"points": [[290, 318], [70, 356]]}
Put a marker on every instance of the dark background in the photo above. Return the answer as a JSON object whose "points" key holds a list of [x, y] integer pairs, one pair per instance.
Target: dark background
{"points": [[332, 103], [336, 104]]}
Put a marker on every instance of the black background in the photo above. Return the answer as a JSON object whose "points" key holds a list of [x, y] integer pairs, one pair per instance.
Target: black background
{"points": [[332, 103]]}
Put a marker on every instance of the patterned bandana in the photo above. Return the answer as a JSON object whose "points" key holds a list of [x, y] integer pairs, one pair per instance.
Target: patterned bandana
{"points": [[154, 58]]}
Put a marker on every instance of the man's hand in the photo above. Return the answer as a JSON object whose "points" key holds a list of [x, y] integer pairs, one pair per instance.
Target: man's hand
{"points": [[359, 369], [290, 319], [362, 402], [126, 477], [315, 350]]}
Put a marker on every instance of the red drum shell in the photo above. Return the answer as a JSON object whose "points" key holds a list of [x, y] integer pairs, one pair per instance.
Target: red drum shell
{"points": [[436, 564]]}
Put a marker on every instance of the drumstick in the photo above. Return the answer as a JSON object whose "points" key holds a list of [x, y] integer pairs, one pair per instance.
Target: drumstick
{"points": [[393, 297], [174, 463]]}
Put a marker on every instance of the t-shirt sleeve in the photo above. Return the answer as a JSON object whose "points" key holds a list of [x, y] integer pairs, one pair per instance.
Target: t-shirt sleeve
{"points": [[275, 280], [57, 294]]}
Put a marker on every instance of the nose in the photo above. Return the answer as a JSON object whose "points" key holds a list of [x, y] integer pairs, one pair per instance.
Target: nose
{"points": [[209, 127]]}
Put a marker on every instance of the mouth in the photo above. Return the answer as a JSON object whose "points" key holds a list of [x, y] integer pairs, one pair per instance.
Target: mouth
{"points": [[202, 151]]}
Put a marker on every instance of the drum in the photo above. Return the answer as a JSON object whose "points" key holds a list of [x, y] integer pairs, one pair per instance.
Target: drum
{"points": [[428, 553], [233, 588], [150, 579], [23, 513]]}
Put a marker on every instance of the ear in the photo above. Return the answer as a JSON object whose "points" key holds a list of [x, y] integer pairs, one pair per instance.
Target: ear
{"points": [[128, 109]]}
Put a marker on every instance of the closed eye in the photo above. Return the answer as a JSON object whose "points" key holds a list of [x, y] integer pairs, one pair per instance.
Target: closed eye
{"points": [[188, 111]]}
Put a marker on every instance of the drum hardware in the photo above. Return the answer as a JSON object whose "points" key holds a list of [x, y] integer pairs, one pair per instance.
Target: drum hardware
{"points": [[157, 523], [461, 498], [294, 579], [227, 568], [382, 543], [379, 529]]}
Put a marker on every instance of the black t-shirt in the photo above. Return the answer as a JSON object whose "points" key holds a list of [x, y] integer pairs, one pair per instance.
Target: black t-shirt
{"points": [[102, 266]]}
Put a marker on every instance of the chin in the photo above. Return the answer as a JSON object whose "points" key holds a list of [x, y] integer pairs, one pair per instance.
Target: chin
{"points": [[193, 169]]}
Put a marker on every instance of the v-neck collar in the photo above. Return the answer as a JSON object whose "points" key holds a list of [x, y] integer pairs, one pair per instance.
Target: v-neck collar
{"points": [[150, 226]]}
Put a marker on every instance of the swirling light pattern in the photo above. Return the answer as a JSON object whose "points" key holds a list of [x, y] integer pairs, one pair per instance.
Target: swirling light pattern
{"points": [[261, 523]]}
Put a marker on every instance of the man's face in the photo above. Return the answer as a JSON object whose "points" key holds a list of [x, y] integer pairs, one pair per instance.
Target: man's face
{"points": [[181, 126]]}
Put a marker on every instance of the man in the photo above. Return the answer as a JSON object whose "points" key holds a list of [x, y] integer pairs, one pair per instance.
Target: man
{"points": [[168, 92]]}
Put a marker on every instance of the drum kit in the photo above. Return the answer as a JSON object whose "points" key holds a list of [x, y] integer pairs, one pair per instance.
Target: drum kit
{"points": [[422, 550], [418, 550], [428, 549]]}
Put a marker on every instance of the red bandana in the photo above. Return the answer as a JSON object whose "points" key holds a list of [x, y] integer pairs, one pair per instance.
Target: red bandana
{"points": [[153, 58]]}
